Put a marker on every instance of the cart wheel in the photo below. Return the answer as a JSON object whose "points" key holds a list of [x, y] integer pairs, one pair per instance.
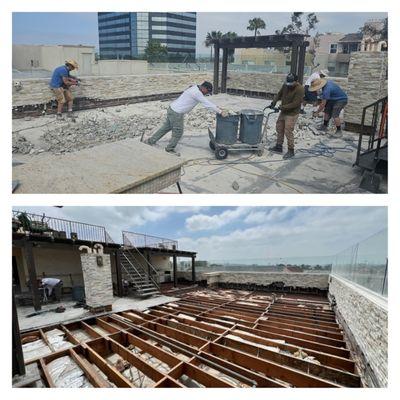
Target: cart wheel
{"points": [[221, 153], [212, 145], [260, 152]]}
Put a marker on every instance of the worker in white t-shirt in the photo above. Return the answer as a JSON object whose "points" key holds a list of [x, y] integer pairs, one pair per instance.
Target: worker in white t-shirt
{"points": [[311, 97], [178, 108], [52, 286]]}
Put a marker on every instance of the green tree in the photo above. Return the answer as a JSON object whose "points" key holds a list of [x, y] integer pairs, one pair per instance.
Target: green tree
{"points": [[213, 35], [155, 51], [255, 25], [300, 23], [231, 52]]}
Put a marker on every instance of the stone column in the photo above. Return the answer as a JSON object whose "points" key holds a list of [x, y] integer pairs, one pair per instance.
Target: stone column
{"points": [[96, 268], [367, 83]]}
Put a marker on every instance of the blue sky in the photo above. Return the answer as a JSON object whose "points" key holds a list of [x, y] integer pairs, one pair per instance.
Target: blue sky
{"points": [[81, 28], [237, 233]]}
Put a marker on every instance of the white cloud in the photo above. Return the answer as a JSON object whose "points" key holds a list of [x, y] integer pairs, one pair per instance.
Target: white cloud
{"points": [[311, 231], [200, 222]]}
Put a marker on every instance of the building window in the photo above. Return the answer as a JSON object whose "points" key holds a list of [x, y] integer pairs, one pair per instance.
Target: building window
{"points": [[333, 48]]}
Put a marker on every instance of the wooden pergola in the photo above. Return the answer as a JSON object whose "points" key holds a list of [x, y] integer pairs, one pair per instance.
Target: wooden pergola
{"points": [[296, 42]]}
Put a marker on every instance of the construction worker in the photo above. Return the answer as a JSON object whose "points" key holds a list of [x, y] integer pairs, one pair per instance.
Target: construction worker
{"points": [[291, 96], [334, 99], [311, 97], [52, 286], [60, 84], [178, 108]]}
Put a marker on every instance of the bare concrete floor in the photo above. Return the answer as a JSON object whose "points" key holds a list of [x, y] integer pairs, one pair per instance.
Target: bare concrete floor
{"points": [[72, 314], [322, 163]]}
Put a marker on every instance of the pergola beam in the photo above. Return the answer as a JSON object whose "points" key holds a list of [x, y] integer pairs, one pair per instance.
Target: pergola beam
{"points": [[296, 42]]}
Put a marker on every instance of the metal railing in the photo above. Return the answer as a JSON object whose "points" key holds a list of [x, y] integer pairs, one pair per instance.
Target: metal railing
{"points": [[365, 263], [374, 123], [133, 239], [153, 271], [58, 227]]}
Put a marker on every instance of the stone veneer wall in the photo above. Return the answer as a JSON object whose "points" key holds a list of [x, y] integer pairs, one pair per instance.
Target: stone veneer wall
{"points": [[97, 280], [301, 280], [367, 82], [365, 318]]}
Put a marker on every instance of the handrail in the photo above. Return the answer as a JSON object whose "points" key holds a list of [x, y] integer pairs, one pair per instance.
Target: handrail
{"points": [[148, 240], [131, 264], [51, 225], [148, 263], [379, 107]]}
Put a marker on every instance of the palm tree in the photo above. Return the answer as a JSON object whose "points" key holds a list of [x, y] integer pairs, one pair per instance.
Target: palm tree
{"points": [[255, 25], [230, 35], [209, 40]]}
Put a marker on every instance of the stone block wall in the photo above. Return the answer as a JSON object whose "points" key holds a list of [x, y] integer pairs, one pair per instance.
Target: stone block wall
{"points": [[270, 83], [366, 318], [37, 91], [301, 280], [97, 279], [367, 82]]}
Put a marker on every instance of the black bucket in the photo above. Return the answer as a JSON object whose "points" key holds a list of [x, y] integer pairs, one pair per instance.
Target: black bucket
{"points": [[227, 129], [251, 126]]}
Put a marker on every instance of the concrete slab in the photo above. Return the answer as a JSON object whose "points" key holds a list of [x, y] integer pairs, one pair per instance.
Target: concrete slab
{"points": [[323, 164], [126, 166], [72, 314]]}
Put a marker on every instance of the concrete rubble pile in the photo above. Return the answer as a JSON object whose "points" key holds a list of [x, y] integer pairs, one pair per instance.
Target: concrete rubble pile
{"points": [[94, 130], [20, 144]]}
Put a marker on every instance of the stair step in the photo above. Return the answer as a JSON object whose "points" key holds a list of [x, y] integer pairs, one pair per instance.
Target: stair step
{"points": [[148, 293], [147, 289]]}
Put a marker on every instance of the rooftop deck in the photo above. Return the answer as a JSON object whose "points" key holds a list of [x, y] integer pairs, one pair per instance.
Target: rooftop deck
{"points": [[222, 338]]}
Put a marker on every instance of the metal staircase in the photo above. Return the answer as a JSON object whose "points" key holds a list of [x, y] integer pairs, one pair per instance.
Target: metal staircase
{"points": [[143, 282]]}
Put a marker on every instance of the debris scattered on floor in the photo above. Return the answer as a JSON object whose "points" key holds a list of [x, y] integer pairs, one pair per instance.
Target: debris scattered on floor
{"points": [[57, 339], [129, 371], [65, 373], [20, 144], [35, 349]]}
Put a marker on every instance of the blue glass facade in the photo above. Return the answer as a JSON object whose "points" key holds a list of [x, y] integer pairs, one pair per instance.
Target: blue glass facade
{"points": [[125, 35]]}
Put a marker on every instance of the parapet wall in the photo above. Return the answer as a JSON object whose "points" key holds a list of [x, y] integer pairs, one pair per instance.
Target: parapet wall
{"points": [[262, 82], [366, 83], [299, 280], [37, 91], [365, 319]]}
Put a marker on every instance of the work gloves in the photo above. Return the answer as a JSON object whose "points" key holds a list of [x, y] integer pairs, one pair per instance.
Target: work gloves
{"points": [[224, 113]]}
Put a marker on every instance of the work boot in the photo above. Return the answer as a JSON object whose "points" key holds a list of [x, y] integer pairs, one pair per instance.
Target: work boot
{"points": [[323, 128], [59, 117], [173, 151], [276, 149], [149, 142], [289, 154]]}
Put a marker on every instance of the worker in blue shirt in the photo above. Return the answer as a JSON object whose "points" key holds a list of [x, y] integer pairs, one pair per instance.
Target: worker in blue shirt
{"points": [[334, 99], [60, 84]]}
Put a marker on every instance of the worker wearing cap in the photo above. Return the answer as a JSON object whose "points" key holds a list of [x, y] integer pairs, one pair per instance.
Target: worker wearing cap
{"points": [[178, 108], [52, 286], [61, 82], [334, 99], [311, 97], [291, 96]]}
